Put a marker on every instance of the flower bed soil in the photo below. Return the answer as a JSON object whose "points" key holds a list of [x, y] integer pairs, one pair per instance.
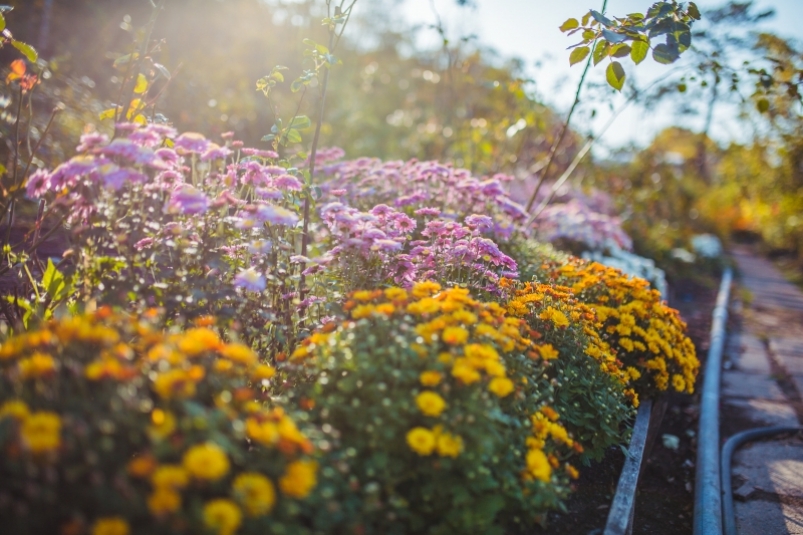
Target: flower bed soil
{"points": [[665, 499]]}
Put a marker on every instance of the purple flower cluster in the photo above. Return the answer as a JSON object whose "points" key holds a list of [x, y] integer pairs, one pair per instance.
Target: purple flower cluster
{"points": [[385, 245], [576, 221], [454, 192]]}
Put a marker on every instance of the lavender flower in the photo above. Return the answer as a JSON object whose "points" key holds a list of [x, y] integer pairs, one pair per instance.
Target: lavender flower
{"points": [[250, 280], [188, 200]]}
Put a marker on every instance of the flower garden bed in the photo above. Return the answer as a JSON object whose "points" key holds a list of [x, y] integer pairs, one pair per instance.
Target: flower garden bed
{"points": [[428, 367]]}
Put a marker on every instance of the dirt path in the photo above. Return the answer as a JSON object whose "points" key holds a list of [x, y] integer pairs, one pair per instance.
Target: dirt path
{"points": [[761, 387]]}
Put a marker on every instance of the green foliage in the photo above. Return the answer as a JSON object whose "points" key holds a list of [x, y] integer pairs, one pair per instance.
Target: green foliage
{"points": [[105, 418], [431, 416], [633, 36]]}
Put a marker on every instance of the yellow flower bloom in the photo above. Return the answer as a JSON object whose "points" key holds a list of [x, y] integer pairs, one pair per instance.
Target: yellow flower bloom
{"points": [[362, 311], [114, 525], [501, 386], [174, 383], [206, 461], [386, 309], [396, 294], [430, 403], [41, 432], [449, 445], [164, 501], [163, 423], [494, 368], [538, 465], [679, 383], [299, 353], [455, 335], [421, 440], [463, 371], [548, 352], [299, 479], [222, 516], [557, 317], [255, 492], [14, 408], [426, 305], [481, 352], [425, 288], [266, 433], [427, 378], [363, 295], [37, 365], [198, 340], [262, 372], [239, 353], [170, 476]]}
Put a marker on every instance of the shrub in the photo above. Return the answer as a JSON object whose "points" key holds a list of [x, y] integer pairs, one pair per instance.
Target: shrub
{"points": [[591, 389], [110, 426], [644, 332], [439, 413], [178, 222]]}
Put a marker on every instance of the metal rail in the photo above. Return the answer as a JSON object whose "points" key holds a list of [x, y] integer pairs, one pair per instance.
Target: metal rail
{"points": [[620, 516], [707, 488]]}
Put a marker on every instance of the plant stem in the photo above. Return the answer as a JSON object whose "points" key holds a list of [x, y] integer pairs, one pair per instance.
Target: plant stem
{"points": [[565, 127], [313, 153]]}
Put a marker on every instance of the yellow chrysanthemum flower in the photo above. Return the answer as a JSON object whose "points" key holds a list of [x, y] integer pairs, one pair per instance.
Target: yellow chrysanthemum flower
{"points": [[421, 440], [538, 465], [170, 476], [14, 408], [449, 445], [501, 386], [41, 432], [163, 501], [425, 288], [255, 492], [198, 340], [37, 365], [206, 461], [454, 335], [430, 403], [239, 353], [427, 378], [222, 516], [299, 479]]}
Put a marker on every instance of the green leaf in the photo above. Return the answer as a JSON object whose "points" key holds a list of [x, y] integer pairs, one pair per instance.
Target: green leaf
{"points": [[589, 35], [54, 282], [600, 51], [586, 18], [579, 54], [619, 50], [693, 11], [300, 122], [638, 51], [615, 75], [602, 19], [276, 75], [613, 37], [293, 136], [2, 22], [2, 169], [663, 54], [296, 86], [570, 24], [763, 105], [27, 50], [682, 88]]}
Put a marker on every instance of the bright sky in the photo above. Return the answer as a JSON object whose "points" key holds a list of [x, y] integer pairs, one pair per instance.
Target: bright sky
{"points": [[528, 29]]}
